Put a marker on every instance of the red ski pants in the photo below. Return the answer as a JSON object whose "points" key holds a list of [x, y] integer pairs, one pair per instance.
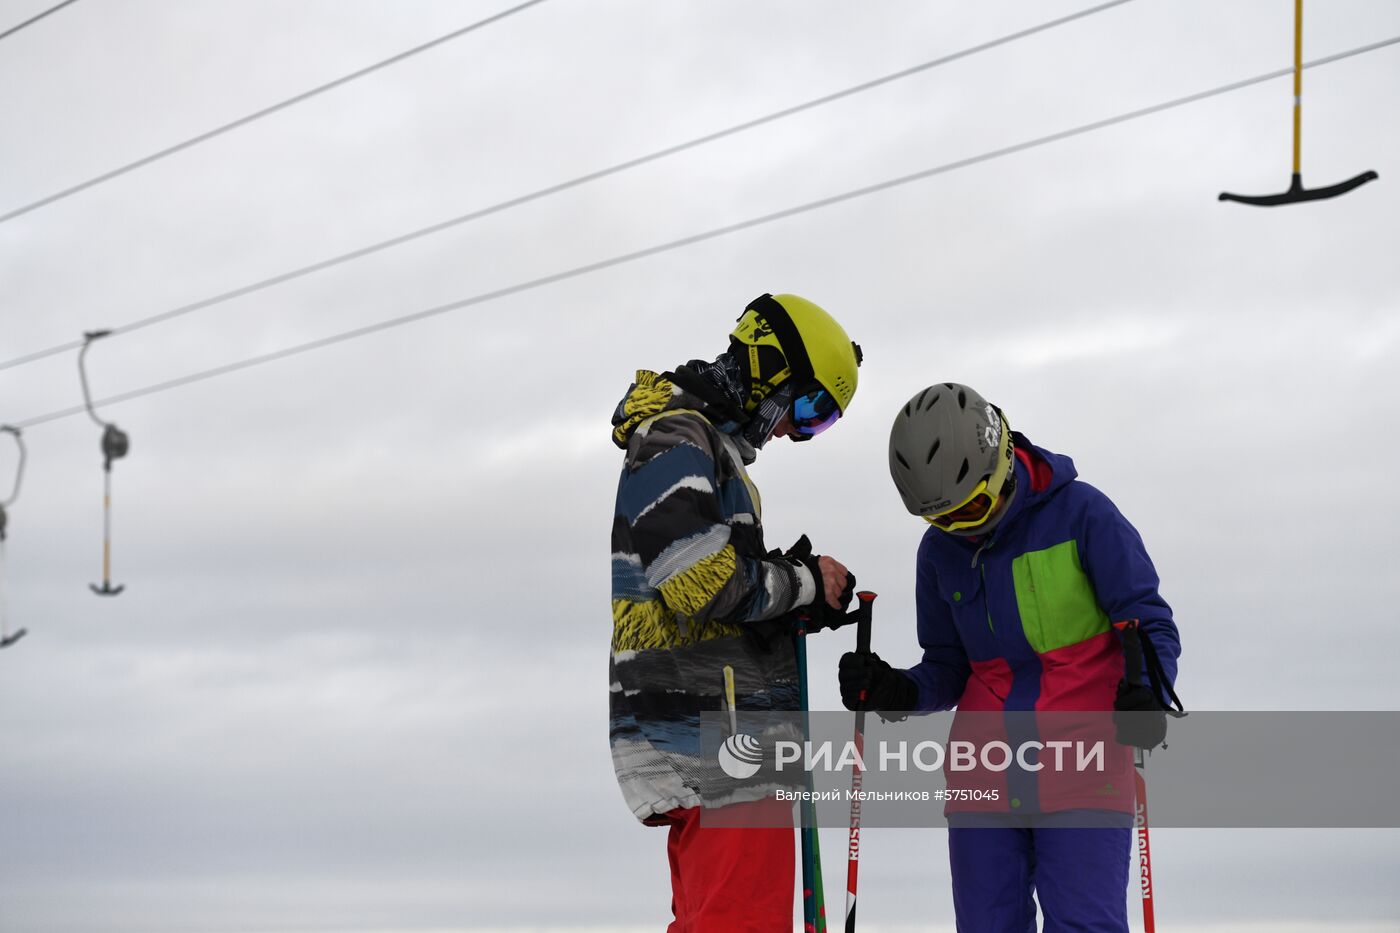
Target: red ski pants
{"points": [[731, 880]]}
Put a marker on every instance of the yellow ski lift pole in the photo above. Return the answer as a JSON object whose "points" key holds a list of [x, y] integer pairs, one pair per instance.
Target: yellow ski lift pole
{"points": [[115, 445], [7, 639], [1296, 192]]}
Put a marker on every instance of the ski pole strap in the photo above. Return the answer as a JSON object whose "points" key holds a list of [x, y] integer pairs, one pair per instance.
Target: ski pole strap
{"points": [[1132, 650], [1139, 657], [1160, 685], [800, 548]]}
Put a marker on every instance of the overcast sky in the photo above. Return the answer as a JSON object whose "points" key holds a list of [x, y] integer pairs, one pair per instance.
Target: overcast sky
{"points": [[357, 680]]}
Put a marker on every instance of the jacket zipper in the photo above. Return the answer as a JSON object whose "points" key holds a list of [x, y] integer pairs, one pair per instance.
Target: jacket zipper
{"points": [[982, 569], [990, 626]]}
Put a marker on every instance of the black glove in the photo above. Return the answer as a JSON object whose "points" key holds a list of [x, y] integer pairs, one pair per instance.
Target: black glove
{"points": [[820, 611], [886, 689], [1138, 716]]}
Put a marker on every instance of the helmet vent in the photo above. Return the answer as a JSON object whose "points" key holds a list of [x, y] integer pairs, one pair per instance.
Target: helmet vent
{"points": [[920, 403], [937, 441], [963, 472], [962, 399], [900, 457]]}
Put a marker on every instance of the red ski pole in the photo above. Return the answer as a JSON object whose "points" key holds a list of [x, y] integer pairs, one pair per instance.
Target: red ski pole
{"points": [[867, 602], [1149, 923], [1134, 668]]}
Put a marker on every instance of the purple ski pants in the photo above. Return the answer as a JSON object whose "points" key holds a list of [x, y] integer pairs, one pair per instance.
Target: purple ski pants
{"points": [[1079, 876]]}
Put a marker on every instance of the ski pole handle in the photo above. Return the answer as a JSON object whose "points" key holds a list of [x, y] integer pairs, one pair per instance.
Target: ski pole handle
{"points": [[863, 613], [1133, 670]]}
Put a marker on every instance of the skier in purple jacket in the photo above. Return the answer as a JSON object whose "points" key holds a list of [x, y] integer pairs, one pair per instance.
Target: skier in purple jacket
{"points": [[1026, 582]]}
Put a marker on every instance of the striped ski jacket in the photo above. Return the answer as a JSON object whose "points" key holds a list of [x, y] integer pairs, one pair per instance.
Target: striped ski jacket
{"points": [[693, 591]]}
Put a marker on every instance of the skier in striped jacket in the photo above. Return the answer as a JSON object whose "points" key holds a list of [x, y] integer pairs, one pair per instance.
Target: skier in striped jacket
{"points": [[696, 590]]}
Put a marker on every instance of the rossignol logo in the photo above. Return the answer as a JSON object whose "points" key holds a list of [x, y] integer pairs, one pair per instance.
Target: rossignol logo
{"points": [[740, 756], [1144, 860]]}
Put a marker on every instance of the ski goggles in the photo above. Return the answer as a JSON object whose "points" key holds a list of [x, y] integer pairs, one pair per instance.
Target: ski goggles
{"points": [[969, 514], [974, 510], [814, 412]]}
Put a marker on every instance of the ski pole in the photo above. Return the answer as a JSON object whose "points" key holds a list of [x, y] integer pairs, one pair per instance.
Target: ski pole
{"points": [[867, 603], [813, 896], [813, 890], [1149, 922], [1137, 670]]}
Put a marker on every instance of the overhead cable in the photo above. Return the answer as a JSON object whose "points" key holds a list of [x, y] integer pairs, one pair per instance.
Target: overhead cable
{"points": [[266, 111], [34, 19], [560, 187], [693, 239]]}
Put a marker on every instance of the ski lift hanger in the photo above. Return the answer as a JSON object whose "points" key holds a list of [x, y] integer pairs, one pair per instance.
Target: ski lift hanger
{"points": [[7, 639], [1296, 192], [19, 473], [115, 444]]}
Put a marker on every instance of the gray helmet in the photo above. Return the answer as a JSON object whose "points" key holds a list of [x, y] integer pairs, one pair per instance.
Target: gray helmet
{"points": [[951, 458]]}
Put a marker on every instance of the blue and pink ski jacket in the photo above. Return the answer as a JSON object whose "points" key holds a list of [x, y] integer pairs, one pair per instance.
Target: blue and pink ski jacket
{"points": [[1021, 619]]}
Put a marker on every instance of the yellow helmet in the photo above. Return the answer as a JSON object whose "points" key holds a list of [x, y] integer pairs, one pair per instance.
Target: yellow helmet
{"points": [[784, 337]]}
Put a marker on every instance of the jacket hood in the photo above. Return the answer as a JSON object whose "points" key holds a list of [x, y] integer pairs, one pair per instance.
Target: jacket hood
{"points": [[1040, 473], [654, 393]]}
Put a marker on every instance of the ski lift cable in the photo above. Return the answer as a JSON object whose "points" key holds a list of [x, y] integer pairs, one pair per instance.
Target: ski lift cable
{"points": [[693, 239], [566, 185], [34, 19], [266, 111]]}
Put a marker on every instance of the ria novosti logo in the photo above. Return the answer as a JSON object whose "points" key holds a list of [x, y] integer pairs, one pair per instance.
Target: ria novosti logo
{"points": [[740, 756]]}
